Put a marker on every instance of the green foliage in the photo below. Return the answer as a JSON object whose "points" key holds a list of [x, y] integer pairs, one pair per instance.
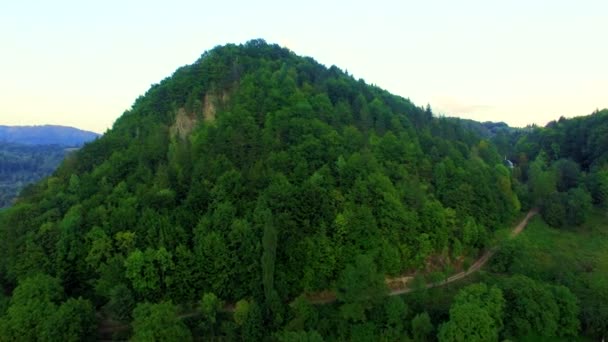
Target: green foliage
{"points": [[258, 174], [251, 325], [578, 204], [33, 302], [542, 181], [532, 308], [421, 327], [581, 139], [554, 210], [489, 299], [255, 173], [211, 257], [568, 174], [158, 322], [3, 303], [574, 259], [360, 287], [593, 306], [476, 315], [424, 249], [74, 320], [121, 302], [241, 311], [300, 336], [571, 208], [210, 305], [395, 311], [269, 245], [36, 313], [568, 304], [597, 183], [149, 271], [304, 315], [569, 159], [362, 332], [468, 322]]}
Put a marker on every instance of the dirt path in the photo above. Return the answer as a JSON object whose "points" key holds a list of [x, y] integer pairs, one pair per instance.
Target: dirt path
{"points": [[524, 222], [327, 297], [107, 327], [478, 264]]}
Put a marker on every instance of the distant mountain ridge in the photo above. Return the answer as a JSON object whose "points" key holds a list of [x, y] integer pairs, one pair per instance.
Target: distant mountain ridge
{"points": [[46, 135], [30, 153], [487, 129]]}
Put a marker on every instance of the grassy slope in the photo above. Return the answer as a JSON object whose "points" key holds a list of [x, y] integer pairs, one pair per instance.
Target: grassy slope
{"points": [[568, 256], [555, 255], [560, 253]]}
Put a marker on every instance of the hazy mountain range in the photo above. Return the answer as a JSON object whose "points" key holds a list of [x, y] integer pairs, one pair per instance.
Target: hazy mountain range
{"points": [[30, 153], [45, 135]]}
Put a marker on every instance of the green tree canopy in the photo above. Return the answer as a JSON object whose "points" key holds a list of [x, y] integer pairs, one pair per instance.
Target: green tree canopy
{"points": [[422, 327], [476, 315], [359, 288], [158, 322], [531, 308], [468, 322]]}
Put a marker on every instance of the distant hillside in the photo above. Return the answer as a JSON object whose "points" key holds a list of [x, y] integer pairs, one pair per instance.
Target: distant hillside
{"points": [[46, 135], [584, 139], [21, 165], [486, 129]]}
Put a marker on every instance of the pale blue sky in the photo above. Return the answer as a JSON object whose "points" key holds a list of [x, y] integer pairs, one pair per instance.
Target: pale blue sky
{"points": [[82, 63]]}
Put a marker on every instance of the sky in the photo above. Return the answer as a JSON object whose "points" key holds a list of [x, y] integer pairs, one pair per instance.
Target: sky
{"points": [[83, 63]]}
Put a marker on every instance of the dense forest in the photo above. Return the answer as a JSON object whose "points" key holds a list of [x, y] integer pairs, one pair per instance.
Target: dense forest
{"points": [[249, 182], [560, 167]]}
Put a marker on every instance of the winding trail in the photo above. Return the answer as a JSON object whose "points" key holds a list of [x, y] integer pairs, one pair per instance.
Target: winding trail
{"points": [[327, 297], [481, 261], [107, 327]]}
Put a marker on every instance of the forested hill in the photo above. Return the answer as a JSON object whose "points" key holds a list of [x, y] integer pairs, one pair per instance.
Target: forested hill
{"points": [[583, 139], [487, 129], [45, 135], [253, 175], [562, 167]]}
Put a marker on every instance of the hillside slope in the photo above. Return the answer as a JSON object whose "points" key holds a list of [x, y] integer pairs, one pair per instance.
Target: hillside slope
{"points": [[255, 174]]}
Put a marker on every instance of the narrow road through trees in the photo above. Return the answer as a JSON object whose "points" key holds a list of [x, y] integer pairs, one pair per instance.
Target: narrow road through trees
{"points": [[329, 297], [108, 327]]}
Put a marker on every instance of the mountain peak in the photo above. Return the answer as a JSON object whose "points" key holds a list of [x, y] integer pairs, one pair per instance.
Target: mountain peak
{"points": [[255, 175]]}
